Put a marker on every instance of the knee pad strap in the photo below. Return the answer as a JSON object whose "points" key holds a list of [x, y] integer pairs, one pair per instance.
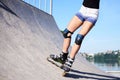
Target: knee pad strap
{"points": [[79, 39], [66, 32]]}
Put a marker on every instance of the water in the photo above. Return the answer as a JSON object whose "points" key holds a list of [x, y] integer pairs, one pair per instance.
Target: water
{"points": [[112, 68], [107, 66]]}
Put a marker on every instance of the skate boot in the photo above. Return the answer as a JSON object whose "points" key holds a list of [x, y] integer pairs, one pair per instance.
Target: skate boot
{"points": [[68, 64], [61, 58]]}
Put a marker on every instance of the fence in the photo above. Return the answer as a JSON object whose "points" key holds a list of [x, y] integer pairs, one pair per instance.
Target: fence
{"points": [[45, 5]]}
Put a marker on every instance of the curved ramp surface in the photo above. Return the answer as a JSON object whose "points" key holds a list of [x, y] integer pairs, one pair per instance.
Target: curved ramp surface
{"points": [[27, 36]]}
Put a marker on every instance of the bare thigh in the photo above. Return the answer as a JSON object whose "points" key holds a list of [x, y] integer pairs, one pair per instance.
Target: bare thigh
{"points": [[86, 27], [74, 24]]}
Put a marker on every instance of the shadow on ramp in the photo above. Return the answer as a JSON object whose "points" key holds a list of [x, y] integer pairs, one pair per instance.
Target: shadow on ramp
{"points": [[2, 5], [79, 74]]}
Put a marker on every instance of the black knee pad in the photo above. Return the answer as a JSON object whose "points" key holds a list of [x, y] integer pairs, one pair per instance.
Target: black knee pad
{"points": [[79, 39], [66, 32]]}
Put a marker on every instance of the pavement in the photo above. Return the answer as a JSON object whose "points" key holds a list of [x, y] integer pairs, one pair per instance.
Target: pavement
{"points": [[27, 37]]}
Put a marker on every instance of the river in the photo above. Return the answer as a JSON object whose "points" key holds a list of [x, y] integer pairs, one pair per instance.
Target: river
{"points": [[111, 67]]}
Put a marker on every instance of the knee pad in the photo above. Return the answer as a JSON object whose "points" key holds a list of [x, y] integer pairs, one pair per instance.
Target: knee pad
{"points": [[79, 39], [66, 32]]}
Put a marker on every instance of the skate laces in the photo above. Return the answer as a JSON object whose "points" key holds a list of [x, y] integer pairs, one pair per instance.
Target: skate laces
{"points": [[54, 56], [69, 62]]}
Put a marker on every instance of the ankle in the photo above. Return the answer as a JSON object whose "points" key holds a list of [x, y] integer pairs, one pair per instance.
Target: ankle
{"points": [[65, 53], [71, 57]]}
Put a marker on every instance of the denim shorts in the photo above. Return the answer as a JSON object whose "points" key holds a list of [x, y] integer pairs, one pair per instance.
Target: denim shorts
{"points": [[88, 14]]}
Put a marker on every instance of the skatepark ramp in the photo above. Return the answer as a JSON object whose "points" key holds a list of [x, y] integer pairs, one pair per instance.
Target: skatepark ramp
{"points": [[27, 36]]}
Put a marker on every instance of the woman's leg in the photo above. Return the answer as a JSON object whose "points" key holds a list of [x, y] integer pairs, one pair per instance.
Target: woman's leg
{"points": [[84, 30], [74, 24], [86, 27]]}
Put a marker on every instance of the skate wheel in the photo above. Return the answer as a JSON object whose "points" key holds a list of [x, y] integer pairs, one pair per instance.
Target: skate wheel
{"points": [[64, 73]]}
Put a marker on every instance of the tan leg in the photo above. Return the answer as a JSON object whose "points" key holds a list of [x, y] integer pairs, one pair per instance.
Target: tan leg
{"points": [[86, 27], [74, 24]]}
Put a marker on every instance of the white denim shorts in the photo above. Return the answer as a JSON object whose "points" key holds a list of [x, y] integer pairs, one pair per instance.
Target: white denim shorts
{"points": [[88, 14]]}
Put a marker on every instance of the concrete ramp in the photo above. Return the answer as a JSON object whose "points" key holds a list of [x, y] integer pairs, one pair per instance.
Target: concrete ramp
{"points": [[27, 36]]}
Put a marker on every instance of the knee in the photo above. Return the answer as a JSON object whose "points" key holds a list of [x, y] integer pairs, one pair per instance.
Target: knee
{"points": [[79, 39], [67, 33]]}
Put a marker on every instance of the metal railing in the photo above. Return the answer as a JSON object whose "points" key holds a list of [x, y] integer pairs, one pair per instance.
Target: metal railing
{"points": [[45, 5]]}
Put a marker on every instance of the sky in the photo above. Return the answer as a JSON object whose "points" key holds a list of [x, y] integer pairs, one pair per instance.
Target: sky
{"points": [[105, 35]]}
